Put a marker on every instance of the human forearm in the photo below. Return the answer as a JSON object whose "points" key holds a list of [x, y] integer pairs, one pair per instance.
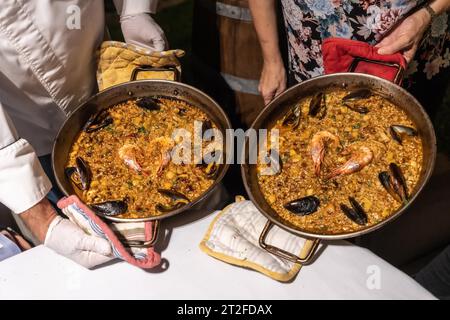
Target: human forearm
{"points": [[273, 75], [23, 182], [265, 21], [439, 6], [38, 218], [407, 35]]}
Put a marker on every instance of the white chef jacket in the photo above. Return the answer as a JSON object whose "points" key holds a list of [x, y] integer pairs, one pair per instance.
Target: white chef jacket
{"points": [[46, 71]]}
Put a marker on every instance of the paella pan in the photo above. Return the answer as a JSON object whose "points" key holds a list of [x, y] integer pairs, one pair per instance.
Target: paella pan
{"points": [[356, 150]]}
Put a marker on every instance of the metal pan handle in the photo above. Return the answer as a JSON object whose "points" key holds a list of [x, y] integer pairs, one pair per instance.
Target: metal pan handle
{"points": [[313, 245], [398, 76], [145, 244], [145, 68]]}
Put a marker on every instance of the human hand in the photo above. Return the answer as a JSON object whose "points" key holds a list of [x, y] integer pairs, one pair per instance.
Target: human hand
{"points": [[273, 80], [67, 239], [405, 38], [143, 31]]}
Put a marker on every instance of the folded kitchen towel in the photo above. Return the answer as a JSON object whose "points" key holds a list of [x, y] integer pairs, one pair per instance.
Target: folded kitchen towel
{"points": [[233, 237], [115, 233], [339, 54], [116, 62]]}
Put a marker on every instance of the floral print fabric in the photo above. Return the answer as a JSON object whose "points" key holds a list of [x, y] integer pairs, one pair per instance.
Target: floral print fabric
{"points": [[308, 22]]}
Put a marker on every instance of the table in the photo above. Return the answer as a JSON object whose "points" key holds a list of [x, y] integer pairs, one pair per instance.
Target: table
{"points": [[341, 271]]}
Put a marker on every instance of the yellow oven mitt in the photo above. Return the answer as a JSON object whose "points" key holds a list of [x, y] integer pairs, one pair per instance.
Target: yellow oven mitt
{"points": [[233, 237], [116, 62]]}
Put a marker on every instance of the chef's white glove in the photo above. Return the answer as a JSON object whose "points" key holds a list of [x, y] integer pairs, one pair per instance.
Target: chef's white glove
{"points": [[69, 240], [143, 31]]}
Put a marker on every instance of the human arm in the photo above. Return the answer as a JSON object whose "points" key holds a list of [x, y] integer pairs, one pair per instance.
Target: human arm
{"points": [[138, 27], [407, 35], [23, 188], [273, 75]]}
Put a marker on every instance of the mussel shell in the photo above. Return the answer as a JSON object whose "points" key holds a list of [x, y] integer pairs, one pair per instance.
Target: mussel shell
{"points": [[353, 215], [80, 175], [359, 109], [404, 129], [207, 132], [179, 200], [358, 94], [356, 213], [292, 118], [317, 105], [399, 181], [394, 134], [358, 209], [148, 103], [110, 208], [98, 121], [162, 208], [211, 170], [206, 125], [303, 206], [72, 174], [99, 126], [396, 131], [275, 161], [385, 180], [84, 173], [174, 195], [90, 122]]}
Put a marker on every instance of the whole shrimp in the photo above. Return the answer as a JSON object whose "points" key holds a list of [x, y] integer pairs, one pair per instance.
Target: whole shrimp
{"points": [[359, 159], [129, 154], [318, 142], [163, 146]]}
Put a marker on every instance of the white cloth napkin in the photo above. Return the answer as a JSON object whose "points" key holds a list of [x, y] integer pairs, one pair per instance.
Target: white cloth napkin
{"points": [[233, 237]]}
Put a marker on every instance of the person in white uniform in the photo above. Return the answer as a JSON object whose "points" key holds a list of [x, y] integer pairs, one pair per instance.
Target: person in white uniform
{"points": [[47, 68]]}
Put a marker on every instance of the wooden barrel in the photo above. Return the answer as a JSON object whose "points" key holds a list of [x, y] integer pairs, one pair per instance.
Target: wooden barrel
{"points": [[225, 40]]}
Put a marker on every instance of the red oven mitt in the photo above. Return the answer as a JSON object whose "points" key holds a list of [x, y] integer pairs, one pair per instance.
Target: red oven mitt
{"points": [[339, 55]]}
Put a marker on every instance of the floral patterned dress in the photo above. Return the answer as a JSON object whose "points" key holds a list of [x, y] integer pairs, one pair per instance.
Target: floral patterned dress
{"points": [[308, 22]]}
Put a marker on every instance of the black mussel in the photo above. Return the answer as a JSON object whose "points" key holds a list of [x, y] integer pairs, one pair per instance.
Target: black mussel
{"points": [[148, 103], [80, 175], [110, 208], [210, 164], [317, 106], [356, 213], [72, 175], [211, 170], [399, 181], [174, 195], [274, 162], [178, 200], [206, 125], [357, 95], [162, 208], [355, 108], [385, 180], [398, 131], [181, 111], [303, 206], [292, 118], [394, 183], [84, 172], [98, 121]]}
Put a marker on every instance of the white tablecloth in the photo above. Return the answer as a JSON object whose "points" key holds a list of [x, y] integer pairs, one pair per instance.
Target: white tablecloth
{"points": [[342, 271]]}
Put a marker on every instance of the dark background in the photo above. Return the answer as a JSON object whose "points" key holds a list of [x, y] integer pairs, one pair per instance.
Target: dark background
{"points": [[176, 19]]}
